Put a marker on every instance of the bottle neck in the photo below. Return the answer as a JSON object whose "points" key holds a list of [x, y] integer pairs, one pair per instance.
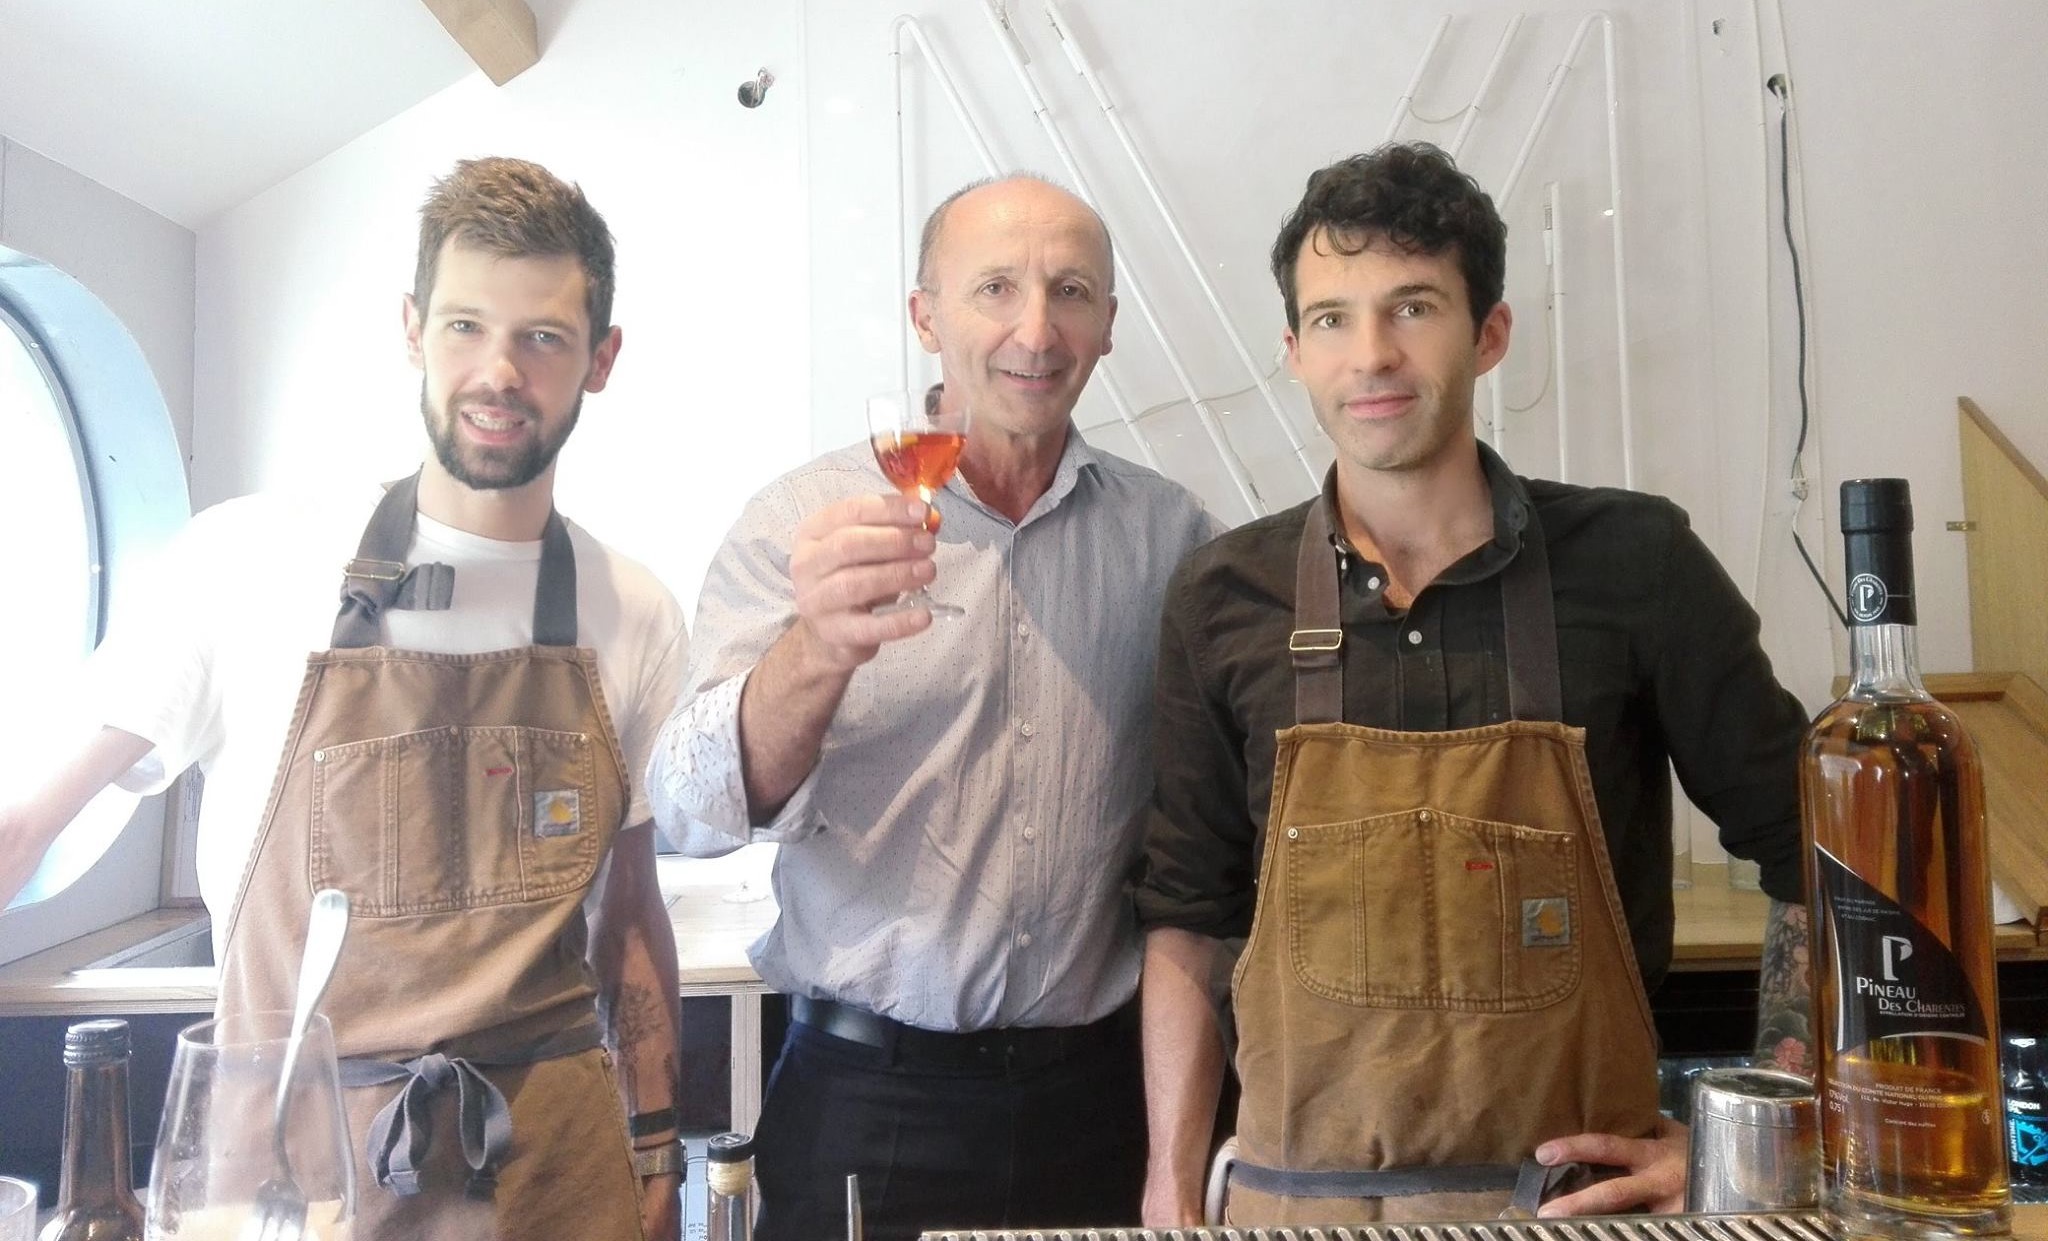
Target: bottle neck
{"points": [[1884, 663], [96, 1169]]}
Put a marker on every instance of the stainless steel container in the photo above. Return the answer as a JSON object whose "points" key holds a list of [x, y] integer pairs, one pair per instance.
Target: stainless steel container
{"points": [[1755, 1142]]}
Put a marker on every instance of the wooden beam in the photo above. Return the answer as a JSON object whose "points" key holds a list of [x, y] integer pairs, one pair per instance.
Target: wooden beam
{"points": [[499, 35]]}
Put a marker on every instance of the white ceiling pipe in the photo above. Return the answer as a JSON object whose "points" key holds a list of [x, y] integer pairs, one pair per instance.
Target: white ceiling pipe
{"points": [[1614, 211], [907, 24], [1624, 386], [1553, 253], [1081, 65], [1407, 99], [1478, 104], [1134, 286], [903, 25]]}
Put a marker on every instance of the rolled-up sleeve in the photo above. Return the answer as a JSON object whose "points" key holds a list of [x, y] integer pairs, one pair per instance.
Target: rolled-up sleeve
{"points": [[696, 776], [1733, 731], [1199, 836]]}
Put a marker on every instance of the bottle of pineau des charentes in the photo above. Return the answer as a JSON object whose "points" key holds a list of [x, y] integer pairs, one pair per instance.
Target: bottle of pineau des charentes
{"points": [[1899, 891]]}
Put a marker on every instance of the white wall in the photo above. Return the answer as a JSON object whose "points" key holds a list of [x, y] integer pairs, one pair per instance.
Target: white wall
{"points": [[301, 368], [1925, 145], [137, 262], [759, 289]]}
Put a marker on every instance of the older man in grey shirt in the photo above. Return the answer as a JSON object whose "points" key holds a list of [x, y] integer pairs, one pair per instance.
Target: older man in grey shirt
{"points": [[958, 801]]}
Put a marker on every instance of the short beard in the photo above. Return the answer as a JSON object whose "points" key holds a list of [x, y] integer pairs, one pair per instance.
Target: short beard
{"points": [[489, 470]]}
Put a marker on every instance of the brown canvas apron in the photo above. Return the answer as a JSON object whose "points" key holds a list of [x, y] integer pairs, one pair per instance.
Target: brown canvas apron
{"points": [[464, 803], [1439, 976]]}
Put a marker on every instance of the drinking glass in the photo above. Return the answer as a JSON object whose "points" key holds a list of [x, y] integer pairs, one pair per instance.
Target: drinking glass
{"points": [[214, 1146], [917, 438], [17, 1210]]}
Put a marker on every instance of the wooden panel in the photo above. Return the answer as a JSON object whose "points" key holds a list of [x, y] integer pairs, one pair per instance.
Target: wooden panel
{"points": [[2006, 497], [499, 35], [2011, 732], [1722, 928]]}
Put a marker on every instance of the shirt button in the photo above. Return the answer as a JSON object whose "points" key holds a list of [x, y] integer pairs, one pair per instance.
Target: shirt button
{"points": [[1027, 729], [1372, 583], [1024, 940], [1023, 630], [1031, 833], [1415, 637]]}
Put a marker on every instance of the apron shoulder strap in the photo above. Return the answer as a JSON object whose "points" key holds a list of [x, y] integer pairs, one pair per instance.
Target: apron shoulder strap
{"points": [[378, 579], [1529, 616], [1317, 643], [554, 596]]}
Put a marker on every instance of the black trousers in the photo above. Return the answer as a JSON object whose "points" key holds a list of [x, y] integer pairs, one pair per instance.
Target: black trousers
{"points": [[943, 1146]]}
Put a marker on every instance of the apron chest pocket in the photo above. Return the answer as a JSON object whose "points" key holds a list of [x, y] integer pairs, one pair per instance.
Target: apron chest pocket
{"points": [[455, 818], [1428, 910]]}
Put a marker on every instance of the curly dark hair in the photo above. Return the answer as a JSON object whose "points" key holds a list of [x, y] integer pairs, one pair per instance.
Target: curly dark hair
{"points": [[516, 209], [1411, 195]]}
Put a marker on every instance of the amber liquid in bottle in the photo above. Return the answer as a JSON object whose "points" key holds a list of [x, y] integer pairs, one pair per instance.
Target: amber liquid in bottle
{"points": [[1905, 994]]}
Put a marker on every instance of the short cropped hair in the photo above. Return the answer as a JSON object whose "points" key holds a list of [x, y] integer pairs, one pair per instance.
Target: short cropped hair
{"points": [[1409, 195], [935, 224], [516, 209]]}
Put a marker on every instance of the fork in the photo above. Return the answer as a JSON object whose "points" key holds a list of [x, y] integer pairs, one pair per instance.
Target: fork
{"points": [[279, 1212]]}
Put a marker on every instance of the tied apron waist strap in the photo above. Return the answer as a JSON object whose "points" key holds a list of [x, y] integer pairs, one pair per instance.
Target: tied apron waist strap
{"points": [[1530, 1182], [403, 1129]]}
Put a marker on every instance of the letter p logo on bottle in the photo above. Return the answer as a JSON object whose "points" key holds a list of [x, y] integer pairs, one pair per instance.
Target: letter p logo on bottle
{"points": [[1896, 949]]}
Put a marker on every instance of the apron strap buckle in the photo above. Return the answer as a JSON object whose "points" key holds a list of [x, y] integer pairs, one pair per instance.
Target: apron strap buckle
{"points": [[375, 570], [1315, 641]]}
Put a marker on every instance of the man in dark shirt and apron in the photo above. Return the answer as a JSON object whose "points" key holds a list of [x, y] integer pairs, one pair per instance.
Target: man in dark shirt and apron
{"points": [[1466, 687]]}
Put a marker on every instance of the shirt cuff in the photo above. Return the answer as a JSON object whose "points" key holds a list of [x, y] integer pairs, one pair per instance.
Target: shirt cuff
{"points": [[696, 780]]}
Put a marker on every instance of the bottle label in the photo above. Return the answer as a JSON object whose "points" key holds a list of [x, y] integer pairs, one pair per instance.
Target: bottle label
{"points": [[1893, 977], [2029, 1142], [1880, 578]]}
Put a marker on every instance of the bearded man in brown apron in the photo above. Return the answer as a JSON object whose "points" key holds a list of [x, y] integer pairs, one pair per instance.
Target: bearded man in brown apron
{"points": [[455, 759], [1462, 689]]}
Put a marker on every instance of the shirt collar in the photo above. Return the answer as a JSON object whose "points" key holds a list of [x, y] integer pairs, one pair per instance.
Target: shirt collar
{"points": [[1511, 510], [1078, 455]]}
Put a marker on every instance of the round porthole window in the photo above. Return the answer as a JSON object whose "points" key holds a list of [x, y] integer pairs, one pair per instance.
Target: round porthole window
{"points": [[93, 483]]}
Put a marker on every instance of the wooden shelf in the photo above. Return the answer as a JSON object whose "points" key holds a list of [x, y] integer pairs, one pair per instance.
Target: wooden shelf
{"points": [[1722, 928]]}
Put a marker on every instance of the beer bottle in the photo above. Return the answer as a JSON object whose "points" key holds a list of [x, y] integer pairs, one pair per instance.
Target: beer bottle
{"points": [[96, 1196]]}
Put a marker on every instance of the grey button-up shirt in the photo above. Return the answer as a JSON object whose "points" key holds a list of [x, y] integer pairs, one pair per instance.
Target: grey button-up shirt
{"points": [[959, 859]]}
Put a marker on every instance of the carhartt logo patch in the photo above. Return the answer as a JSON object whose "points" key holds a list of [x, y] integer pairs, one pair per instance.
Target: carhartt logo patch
{"points": [[557, 812], [1546, 922]]}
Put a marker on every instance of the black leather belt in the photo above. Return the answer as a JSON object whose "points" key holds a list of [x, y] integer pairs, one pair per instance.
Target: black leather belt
{"points": [[1019, 1047]]}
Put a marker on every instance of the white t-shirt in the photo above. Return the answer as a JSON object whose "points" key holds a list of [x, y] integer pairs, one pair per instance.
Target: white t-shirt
{"points": [[209, 666]]}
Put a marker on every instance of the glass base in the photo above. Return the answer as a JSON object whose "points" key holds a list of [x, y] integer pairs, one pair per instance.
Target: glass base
{"points": [[1888, 1219], [919, 599]]}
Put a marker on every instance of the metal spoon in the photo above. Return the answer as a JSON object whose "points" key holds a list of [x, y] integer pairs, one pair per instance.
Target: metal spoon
{"points": [[279, 1212]]}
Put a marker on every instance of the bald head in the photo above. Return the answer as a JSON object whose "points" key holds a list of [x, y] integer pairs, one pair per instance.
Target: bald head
{"points": [[1026, 191]]}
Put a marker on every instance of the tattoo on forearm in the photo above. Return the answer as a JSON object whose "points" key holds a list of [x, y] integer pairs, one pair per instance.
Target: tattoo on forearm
{"points": [[1784, 992], [632, 1015]]}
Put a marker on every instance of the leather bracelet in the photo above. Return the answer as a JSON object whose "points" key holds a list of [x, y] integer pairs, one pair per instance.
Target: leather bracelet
{"points": [[649, 1124], [659, 1160]]}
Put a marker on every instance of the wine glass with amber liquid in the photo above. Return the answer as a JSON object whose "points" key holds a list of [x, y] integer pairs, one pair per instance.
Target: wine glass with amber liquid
{"points": [[917, 438]]}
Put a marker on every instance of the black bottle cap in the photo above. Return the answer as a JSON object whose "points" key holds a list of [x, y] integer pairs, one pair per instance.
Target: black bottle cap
{"points": [[729, 1148], [1876, 506], [95, 1042]]}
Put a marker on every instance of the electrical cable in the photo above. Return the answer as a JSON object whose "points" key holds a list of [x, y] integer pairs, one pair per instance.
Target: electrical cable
{"points": [[1163, 406], [1777, 86], [1438, 120]]}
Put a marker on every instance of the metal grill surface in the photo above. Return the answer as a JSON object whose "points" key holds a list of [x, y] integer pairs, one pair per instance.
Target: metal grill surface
{"points": [[1604, 1228]]}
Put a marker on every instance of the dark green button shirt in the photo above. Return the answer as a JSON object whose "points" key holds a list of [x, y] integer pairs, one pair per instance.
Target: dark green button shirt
{"points": [[1659, 659]]}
